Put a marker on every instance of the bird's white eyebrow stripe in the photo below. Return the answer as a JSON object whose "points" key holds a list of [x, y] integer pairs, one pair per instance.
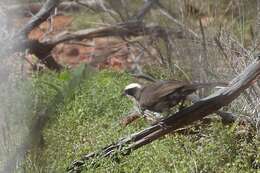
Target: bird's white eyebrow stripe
{"points": [[133, 85]]}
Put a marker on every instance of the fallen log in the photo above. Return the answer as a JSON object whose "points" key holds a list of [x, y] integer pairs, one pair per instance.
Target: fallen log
{"points": [[178, 120]]}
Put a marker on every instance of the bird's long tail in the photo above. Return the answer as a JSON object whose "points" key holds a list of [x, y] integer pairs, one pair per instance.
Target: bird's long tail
{"points": [[210, 84], [189, 89]]}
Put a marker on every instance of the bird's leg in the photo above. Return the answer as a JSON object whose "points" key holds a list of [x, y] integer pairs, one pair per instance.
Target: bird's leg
{"points": [[152, 117], [182, 106], [142, 112], [162, 125]]}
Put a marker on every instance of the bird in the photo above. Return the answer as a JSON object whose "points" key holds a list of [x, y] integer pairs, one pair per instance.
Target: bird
{"points": [[161, 96]]}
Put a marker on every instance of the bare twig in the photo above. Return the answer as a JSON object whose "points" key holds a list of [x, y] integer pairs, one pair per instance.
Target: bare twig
{"points": [[145, 8], [204, 62], [84, 4], [168, 14]]}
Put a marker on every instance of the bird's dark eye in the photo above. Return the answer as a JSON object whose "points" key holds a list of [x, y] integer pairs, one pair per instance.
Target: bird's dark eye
{"points": [[130, 92]]}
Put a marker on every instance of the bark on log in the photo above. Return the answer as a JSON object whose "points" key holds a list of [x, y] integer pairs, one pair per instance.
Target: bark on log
{"points": [[180, 119]]}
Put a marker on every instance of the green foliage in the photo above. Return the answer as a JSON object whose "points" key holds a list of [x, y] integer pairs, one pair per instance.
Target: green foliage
{"points": [[47, 85], [89, 120]]}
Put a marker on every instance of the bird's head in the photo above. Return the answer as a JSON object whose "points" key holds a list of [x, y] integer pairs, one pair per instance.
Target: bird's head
{"points": [[132, 90]]}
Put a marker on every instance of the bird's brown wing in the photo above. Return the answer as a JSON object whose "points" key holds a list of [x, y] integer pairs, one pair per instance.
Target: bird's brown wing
{"points": [[167, 87], [156, 92]]}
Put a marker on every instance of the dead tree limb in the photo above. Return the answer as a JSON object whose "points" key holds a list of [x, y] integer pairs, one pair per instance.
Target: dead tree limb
{"points": [[125, 29], [41, 50], [226, 117], [32, 8], [178, 120], [40, 17]]}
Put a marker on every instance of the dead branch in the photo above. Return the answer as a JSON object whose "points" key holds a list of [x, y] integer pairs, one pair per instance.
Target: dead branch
{"points": [[120, 30], [40, 17], [87, 5], [41, 50], [32, 8], [178, 120], [226, 117]]}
